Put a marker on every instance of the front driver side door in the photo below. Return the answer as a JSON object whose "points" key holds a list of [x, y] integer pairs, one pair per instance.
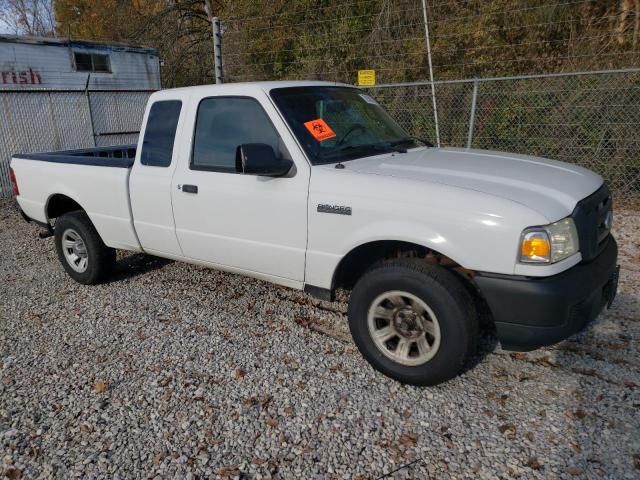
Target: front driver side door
{"points": [[251, 223]]}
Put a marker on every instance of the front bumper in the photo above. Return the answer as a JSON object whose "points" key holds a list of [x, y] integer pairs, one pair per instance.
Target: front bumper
{"points": [[531, 312]]}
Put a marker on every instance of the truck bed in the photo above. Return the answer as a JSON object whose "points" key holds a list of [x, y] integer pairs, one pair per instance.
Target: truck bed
{"points": [[96, 179], [121, 156]]}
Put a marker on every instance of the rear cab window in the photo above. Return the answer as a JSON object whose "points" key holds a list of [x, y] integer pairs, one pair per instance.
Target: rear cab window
{"points": [[160, 133]]}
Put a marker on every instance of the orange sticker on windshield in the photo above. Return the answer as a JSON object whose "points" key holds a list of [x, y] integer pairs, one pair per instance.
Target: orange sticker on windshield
{"points": [[320, 130]]}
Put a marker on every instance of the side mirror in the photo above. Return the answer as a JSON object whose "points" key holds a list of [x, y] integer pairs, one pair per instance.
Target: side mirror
{"points": [[260, 159]]}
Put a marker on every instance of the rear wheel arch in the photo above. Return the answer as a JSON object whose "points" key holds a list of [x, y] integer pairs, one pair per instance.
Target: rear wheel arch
{"points": [[58, 204]]}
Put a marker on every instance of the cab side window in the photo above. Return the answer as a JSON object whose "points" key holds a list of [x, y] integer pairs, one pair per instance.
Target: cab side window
{"points": [[225, 123], [160, 133]]}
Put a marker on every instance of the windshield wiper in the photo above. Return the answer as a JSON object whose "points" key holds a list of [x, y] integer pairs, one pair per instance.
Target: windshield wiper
{"points": [[400, 141], [347, 149]]}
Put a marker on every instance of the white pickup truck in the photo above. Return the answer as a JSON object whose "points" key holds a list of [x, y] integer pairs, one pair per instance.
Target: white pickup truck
{"points": [[313, 186]]}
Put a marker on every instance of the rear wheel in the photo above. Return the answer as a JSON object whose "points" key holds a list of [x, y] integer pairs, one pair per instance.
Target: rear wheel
{"points": [[80, 249], [413, 321]]}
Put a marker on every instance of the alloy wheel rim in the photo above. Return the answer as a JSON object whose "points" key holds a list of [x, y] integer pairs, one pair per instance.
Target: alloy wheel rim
{"points": [[75, 250], [404, 328]]}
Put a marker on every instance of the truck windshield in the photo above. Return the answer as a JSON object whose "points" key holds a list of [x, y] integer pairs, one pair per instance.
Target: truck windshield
{"points": [[335, 124]]}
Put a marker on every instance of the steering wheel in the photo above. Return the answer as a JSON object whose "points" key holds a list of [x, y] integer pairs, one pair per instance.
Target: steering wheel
{"points": [[354, 128]]}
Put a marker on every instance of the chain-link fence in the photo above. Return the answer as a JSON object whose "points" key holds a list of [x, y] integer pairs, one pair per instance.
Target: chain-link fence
{"points": [[117, 116], [537, 106], [333, 39], [591, 119], [40, 121]]}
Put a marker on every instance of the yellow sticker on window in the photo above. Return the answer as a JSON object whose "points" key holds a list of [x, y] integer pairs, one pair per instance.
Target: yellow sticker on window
{"points": [[320, 130]]}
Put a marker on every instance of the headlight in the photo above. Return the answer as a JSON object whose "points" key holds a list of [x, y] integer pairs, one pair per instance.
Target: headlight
{"points": [[549, 244]]}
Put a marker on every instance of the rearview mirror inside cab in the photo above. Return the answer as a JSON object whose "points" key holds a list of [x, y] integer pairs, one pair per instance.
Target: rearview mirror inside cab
{"points": [[260, 159]]}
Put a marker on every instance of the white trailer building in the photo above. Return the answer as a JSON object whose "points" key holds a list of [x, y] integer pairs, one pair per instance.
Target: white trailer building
{"points": [[58, 94], [28, 63]]}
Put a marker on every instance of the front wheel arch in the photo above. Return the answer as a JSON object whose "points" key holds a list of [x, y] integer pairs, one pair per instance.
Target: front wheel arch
{"points": [[364, 256]]}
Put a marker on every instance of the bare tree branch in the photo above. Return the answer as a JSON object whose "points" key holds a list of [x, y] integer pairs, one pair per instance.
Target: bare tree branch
{"points": [[28, 17]]}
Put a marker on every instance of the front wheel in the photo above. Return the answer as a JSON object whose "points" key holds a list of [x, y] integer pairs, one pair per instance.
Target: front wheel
{"points": [[413, 321], [80, 249]]}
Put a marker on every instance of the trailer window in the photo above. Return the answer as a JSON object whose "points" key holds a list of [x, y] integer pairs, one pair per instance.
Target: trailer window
{"points": [[160, 133], [92, 62]]}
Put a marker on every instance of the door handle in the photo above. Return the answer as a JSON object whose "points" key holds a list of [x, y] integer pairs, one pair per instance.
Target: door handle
{"points": [[190, 188]]}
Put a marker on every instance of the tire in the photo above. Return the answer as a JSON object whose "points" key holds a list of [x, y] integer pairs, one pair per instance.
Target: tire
{"points": [[412, 296], [80, 249]]}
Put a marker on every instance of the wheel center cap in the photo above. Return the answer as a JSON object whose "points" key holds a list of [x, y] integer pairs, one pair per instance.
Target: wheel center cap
{"points": [[78, 249], [406, 323]]}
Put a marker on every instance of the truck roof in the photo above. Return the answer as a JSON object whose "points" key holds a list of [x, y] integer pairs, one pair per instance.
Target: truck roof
{"points": [[252, 86]]}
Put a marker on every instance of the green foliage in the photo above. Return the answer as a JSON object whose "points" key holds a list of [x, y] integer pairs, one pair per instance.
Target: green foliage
{"points": [[332, 40]]}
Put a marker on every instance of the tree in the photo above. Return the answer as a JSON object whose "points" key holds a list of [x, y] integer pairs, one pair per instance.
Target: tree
{"points": [[28, 17], [332, 39], [107, 20], [179, 29]]}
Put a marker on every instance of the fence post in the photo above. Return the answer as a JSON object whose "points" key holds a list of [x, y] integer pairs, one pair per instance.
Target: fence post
{"points": [[433, 87], [86, 91], [217, 49], [217, 41], [472, 116]]}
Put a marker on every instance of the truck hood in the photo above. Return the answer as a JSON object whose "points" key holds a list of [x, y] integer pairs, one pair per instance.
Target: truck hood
{"points": [[549, 187]]}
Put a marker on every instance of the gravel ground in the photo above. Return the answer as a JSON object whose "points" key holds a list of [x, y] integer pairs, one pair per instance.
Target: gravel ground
{"points": [[179, 371]]}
